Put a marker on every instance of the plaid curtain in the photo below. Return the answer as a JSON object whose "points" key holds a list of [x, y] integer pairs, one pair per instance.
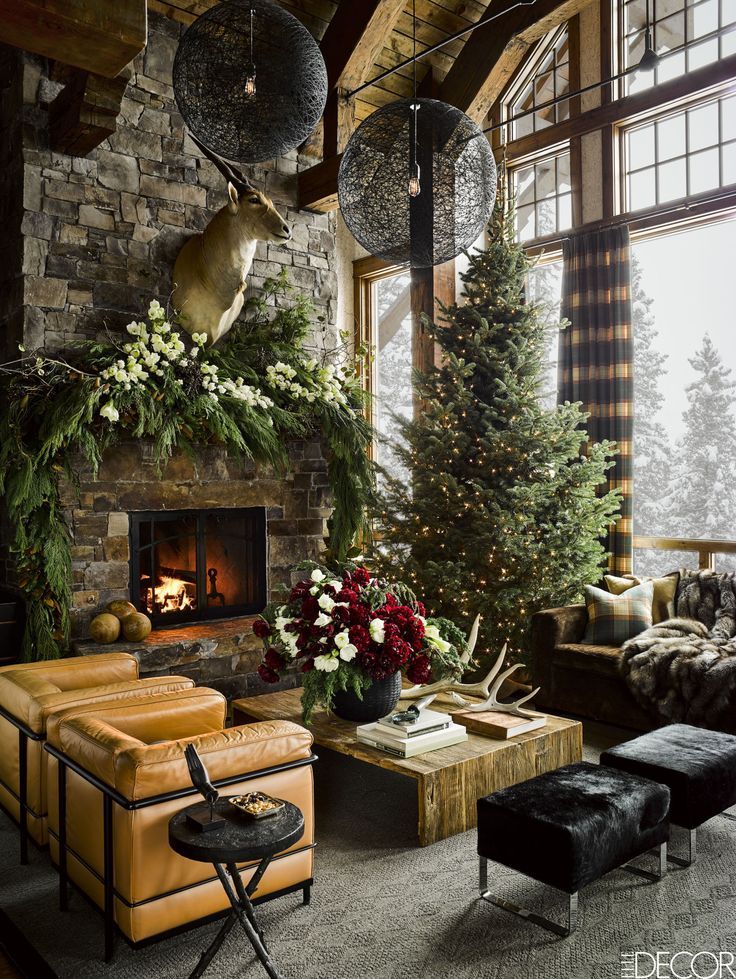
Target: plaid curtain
{"points": [[596, 357]]}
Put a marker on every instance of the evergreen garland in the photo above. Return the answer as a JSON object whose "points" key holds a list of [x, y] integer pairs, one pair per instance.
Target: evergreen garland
{"points": [[252, 396], [504, 511]]}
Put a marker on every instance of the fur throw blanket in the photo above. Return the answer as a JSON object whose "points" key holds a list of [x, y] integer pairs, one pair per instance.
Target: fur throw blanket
{"points": [[684, 670]]}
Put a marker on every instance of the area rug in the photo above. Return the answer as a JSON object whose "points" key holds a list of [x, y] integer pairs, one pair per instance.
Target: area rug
{"points": [[383, 908]]}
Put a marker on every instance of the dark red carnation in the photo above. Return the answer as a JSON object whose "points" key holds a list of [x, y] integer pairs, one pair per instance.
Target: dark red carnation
{"points": [[310, 608], [360, 615], [274, 660], [267, 675], [299, 591], [420, 671], [361, 576], [360, 638], [307, 665], [261, 628]]}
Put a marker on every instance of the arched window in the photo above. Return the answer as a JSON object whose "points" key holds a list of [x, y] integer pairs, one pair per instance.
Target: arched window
{"points": [[546, 76]]}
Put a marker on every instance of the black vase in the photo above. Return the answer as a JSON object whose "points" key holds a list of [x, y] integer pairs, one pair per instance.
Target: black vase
{"points": [[378, 700]]}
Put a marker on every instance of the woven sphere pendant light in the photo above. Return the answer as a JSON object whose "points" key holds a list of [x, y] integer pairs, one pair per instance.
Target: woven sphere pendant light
{"points": [[249, 80], [417, 182]]}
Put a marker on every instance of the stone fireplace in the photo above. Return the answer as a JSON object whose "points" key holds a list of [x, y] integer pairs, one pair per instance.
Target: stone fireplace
{"points": [[257, 522]]}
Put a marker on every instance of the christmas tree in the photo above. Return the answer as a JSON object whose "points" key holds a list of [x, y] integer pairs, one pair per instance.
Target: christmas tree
{"points": [[505, 510]]}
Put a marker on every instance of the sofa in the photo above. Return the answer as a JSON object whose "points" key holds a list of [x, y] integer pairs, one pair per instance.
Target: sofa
{"points": [[31, 693], [681, 669], [577, 678], [121, 773]]}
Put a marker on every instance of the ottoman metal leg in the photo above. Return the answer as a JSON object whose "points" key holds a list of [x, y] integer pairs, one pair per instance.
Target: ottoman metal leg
{"points": [[692, 850], [537, 919], [648, 874]]}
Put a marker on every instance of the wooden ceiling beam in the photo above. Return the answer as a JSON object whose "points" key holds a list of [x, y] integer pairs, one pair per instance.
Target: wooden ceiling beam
{"points": [[97, 37], [492, 53]]}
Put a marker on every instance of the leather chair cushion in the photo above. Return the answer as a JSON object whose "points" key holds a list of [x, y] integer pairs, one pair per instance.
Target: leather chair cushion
{"points": [[699, 767], [571, 826], [96, 738], [21, 685], [144, 771]]}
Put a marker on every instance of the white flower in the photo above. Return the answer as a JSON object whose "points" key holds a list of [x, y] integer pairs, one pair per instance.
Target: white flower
{"points": [[322, 619], [349, 652], [326, 602], [377, 630], [337, 585], [328, 664], [342, 639], [155, 310], [110, 412], [314, 590], [433, 637], [318, 575]]}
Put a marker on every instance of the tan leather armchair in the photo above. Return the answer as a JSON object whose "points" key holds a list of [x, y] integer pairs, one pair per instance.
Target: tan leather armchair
{"points": [[121, 774], [30, 693]]}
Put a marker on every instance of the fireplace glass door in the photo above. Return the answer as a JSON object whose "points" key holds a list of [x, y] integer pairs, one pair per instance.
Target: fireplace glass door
{"points": [[190, 565]]}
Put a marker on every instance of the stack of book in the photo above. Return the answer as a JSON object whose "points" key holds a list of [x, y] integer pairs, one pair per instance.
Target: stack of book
{"points": [[431, 730]]}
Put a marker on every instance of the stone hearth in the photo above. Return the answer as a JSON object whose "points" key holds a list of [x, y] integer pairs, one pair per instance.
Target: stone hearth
{"points": [[223, 654]]}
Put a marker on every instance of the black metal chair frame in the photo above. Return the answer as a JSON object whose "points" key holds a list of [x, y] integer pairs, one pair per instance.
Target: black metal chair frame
{"points": [[25, 734], [110, 798]]}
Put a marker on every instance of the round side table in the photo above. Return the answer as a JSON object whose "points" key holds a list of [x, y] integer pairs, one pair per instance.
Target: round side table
{"points": [[240, 840]]}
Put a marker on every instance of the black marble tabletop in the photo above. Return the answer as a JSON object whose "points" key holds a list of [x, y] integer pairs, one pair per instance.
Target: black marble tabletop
{"points": [[241, 839]]}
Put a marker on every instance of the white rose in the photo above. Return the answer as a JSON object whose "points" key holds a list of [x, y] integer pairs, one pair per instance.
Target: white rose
{"points": [[328, 664], [322, 619], [110, 412], [377, 630], [318, 575], [348, 652], [326, 602]]}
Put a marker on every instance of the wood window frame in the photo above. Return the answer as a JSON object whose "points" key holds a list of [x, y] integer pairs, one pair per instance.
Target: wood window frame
{"points": [[366, 273]]}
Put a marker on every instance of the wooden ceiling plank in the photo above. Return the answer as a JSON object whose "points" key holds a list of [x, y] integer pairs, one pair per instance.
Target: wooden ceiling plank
{"points": [[354, 38], [96, 37]]}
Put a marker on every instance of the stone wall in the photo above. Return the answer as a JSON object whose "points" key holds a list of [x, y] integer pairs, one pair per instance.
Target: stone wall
{"points": [[99, 234], [11, 202]]}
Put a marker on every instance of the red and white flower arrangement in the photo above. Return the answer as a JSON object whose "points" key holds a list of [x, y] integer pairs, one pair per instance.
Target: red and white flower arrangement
{"points": [[347, 630]]}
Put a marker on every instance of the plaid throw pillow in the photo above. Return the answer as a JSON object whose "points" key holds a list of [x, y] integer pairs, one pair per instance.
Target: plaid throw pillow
{"points": [[612, 619]]}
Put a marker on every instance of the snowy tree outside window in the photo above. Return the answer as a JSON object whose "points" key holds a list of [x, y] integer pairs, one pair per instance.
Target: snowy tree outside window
{"points": [[392, 366], [684, 392]]}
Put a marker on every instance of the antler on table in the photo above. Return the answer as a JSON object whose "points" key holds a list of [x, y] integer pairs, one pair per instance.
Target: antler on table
{"points": [[491, 702]]}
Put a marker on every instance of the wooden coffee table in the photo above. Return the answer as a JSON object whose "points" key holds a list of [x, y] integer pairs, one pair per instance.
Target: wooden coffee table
{"points": [[450, 780]]}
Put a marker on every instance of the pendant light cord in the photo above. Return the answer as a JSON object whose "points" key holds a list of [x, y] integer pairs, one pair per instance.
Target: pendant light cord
{"points": [[414, 81]]}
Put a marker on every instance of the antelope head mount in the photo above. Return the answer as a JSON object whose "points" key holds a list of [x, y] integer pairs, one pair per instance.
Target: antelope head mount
{"points": [[210, 270]]}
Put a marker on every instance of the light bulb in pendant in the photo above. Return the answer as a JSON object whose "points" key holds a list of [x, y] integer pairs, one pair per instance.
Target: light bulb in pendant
{"points": [[250, 82], [414, 185]]}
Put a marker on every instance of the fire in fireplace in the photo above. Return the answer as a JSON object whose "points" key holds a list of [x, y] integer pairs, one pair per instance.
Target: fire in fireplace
{"points": [[190, 565]]}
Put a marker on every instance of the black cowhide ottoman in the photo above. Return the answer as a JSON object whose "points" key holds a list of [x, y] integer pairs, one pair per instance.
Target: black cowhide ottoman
{"points": [[699, 767], [569, 827]]}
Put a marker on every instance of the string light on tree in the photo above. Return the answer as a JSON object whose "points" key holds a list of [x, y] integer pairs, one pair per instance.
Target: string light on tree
{"points": [[502, 517]]}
